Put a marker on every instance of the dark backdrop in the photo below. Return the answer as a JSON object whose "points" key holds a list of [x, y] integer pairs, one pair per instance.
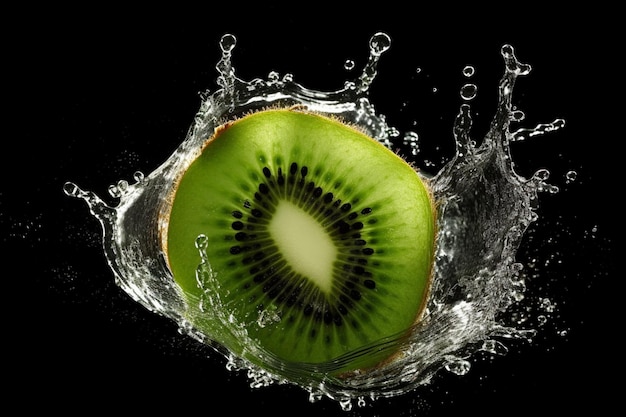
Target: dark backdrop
{"points": [[94, 98]]}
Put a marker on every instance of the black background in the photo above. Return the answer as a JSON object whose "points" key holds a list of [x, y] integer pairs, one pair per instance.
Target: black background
{"points": [[93, 98]]}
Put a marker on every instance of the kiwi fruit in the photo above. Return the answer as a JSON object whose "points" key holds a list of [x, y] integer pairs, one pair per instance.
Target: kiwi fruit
{"points": [[308, 222]]}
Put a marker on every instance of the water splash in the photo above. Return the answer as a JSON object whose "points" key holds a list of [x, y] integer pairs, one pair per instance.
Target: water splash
{"points": [[485, 208]]}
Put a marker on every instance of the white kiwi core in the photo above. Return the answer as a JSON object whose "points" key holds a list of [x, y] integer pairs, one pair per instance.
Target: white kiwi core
{"points": [[304, 243]]}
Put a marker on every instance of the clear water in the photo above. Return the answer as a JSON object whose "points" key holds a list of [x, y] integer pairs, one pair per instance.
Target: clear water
{"points": [[485, 208]]}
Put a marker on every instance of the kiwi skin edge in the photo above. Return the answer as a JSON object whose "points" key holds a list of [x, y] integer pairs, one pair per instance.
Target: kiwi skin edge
{"points": [[168, 204]]}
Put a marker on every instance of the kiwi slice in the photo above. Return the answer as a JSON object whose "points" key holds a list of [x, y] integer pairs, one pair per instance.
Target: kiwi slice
{"points": [[309, 223]]}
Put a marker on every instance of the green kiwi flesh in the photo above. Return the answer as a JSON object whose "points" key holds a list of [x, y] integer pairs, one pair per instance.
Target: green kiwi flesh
{"points": [[309, 222]]}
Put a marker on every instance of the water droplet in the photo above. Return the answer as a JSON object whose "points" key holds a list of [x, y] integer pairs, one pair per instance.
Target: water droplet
{"points": [[468, 71], [71, 189], [570, 176], [349, 64], [117, 190], [273, 76], [541, 174], [122, 185], [517, 115], [468, 91], [228, 42], [114, 191], [138, 177], [507, 51], [418, 70], [379, 43]]}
